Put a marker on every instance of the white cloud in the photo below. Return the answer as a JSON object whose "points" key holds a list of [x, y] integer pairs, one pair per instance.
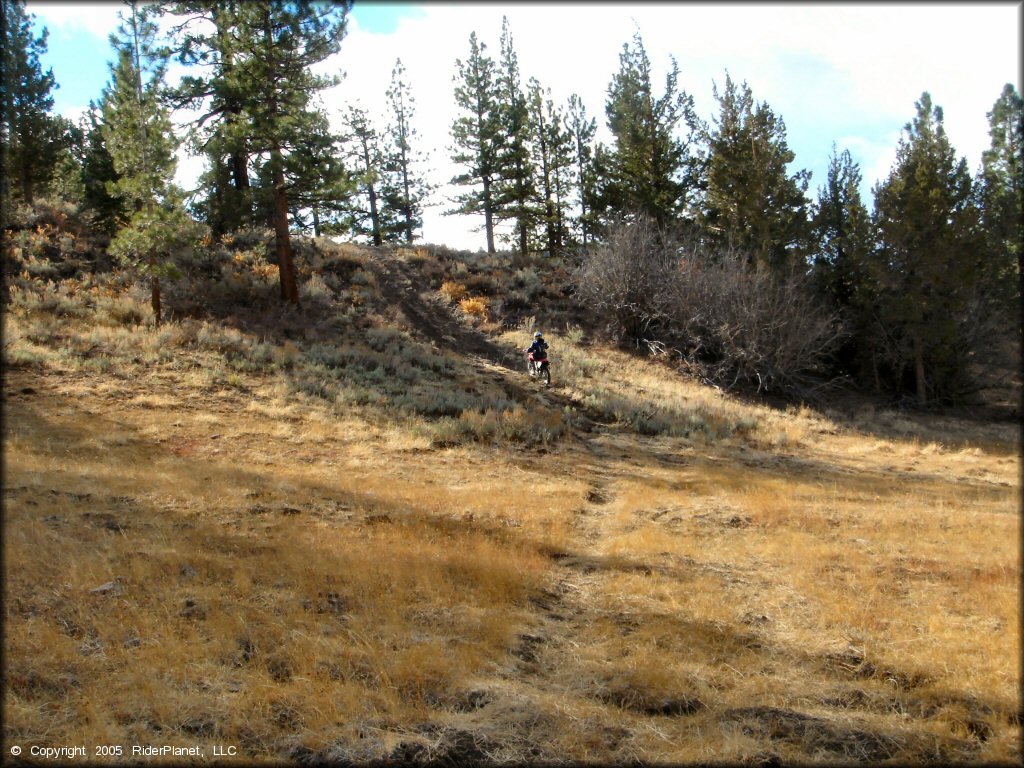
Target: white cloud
{"points": [[66, 19]]}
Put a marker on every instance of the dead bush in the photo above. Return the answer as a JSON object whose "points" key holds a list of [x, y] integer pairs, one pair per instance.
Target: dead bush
{"points": [[624, 280], [724, 320]]}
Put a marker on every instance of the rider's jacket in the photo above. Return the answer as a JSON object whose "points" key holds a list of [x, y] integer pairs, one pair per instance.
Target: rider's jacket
{"points": [[539, 349]]}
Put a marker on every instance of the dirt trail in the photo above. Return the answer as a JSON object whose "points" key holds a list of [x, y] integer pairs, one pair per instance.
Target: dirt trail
{"points": [[432, 319]]}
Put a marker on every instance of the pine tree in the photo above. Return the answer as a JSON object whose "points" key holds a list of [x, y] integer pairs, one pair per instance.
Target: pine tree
{"points": [[476, 136], [66, 179], [140, 138], [1001, 192], [320, 184], [405, 191], [368, 157], [515, 192], [98, 173], [205, 41], [752, 202], [927, 263], [581, 135], [842, 232], [275, 46], [552, 159], [28, 134], [651, 170]]}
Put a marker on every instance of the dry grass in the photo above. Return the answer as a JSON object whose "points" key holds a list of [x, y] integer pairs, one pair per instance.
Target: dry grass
{"points": [[300, 570]]}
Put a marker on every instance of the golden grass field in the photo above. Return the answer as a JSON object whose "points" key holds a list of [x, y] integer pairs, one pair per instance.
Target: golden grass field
{"points": [[305, 577]]}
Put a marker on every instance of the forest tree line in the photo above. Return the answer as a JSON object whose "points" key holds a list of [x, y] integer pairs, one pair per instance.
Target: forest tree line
{"points": [[908, 296]]}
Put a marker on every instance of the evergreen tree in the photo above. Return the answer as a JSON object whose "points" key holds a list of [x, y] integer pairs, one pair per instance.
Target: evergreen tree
{"points": [[366, 153], [66, 180], [651, 170], [551, 156], [320, 186], [28, 134], [205, 40], [1001, 192], [98, 173], [275, 47], [405, 191], [752, 203], [927, 264], [581, 133], [140, 138], [842, 232], [515, 192], [476, 136]]}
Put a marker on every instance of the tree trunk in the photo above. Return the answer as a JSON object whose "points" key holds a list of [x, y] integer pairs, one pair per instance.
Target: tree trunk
{"points": [[374, 216], [406, 201], [922, 393], [583, 196], [238, 161], [488, 215], [154, 285], [239, 169], [282, 239], [27, 189], [316, 221], [371, 192]]}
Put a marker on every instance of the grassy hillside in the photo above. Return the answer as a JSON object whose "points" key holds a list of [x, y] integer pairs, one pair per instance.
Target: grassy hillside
{"points": [[360, 531]]}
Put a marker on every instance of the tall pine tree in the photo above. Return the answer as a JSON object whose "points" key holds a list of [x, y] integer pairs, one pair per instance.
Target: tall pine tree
{"points": [[320, 186], [30, 139], [927, 266], [552, 159], [515, 192], [651, 169], [405, 190], [204, 39], [98, 173], [581, 133], [476, 136], [367, 157], [1001, 193], [275, 48], [140, 138], [752, 202], [842, 232]]}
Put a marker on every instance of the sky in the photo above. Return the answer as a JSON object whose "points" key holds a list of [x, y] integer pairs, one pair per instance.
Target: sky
{"points": [[847, 74]]}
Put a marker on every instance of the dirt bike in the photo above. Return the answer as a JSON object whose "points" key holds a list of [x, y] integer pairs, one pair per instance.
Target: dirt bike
{"points": [[540, 368]]}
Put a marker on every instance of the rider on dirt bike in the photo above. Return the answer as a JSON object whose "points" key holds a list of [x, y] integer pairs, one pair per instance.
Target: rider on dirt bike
{"points": [[537, 350], [538, 353]]}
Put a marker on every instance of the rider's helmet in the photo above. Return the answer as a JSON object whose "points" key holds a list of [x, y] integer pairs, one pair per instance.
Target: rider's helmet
{"points": [[537, 335]]}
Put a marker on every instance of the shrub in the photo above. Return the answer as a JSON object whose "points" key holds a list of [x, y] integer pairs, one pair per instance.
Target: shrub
{"points": [[725, 320], [452, 292], [625, 280], [475, 306], [316, 288], [745, 324], [120, 310], [484, 284]]}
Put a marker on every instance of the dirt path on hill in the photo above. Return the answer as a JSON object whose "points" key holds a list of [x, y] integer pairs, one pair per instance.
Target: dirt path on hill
{"points": [[432, 319]]}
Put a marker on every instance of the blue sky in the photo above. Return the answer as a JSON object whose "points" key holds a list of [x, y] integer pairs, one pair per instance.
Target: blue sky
{"points": [[843, 73]]}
